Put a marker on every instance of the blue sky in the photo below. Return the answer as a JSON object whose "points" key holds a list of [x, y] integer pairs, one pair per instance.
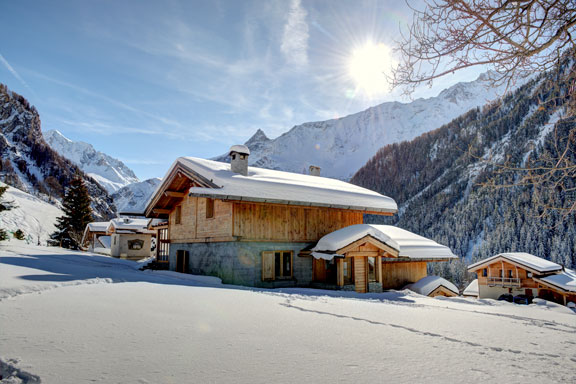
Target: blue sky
{"points": [[148, 81]]}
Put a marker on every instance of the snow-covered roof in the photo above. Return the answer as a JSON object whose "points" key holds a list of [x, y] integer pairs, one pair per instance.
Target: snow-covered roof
{"points": [[471, 289], [565, 280], [407, 244], [428, 284], [535, 263], [265, 185], [127, 225], [98, 226]]}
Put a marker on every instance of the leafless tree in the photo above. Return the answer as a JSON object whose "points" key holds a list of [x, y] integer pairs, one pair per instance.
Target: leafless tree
{"points": [[511, 37]]}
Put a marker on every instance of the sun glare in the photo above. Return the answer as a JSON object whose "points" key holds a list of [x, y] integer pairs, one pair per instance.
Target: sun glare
{"points": [[368, 67]]}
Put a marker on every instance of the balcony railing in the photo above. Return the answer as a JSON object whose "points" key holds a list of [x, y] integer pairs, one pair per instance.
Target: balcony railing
{"points": [[504, 281]]}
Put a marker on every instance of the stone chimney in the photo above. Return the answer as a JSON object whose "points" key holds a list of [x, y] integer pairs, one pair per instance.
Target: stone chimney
{"points": [[239, 159], [314, 170]]}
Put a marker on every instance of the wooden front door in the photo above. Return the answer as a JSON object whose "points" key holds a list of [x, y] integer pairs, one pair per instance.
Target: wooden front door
{"points": [[182, 259]]}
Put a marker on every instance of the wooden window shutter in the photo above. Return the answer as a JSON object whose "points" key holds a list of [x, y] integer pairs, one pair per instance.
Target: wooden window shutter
{"points": [[268, 266]]}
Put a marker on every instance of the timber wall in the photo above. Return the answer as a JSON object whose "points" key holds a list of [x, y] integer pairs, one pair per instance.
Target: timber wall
{"points": [[395, 275]]}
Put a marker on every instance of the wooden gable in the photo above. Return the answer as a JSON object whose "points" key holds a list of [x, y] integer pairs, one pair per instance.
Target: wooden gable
{"points": [[368, 246], [173, 190]]}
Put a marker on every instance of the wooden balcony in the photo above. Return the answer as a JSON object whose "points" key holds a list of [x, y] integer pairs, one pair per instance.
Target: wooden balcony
{"points": [[504, 282]]}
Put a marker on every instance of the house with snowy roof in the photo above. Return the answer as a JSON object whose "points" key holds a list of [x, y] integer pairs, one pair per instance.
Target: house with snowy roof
{"points": [[122, 237], [268, 228], [520, 273]]}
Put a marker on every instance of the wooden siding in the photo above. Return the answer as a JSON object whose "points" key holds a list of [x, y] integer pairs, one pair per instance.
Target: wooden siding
{"points": [[395, 275], [194, 226], [268, 222], [360, 274]]}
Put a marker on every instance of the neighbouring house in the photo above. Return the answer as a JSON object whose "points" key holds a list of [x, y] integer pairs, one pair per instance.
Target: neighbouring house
{"points": [[433, 286], [130, 238], [522, 273], [95, 235], [257, 227]]}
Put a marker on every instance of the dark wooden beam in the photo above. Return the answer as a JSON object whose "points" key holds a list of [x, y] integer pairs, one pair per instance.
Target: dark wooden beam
{"points": [[174, 194]]}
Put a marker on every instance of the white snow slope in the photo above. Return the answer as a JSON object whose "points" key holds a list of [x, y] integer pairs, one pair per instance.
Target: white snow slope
{"points": [[109, 172], [133, 197], [35, 217], [74, 318], [341, 146]]}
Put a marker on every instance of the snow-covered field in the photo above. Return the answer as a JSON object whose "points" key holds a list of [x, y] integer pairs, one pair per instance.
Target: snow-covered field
{"points": [[69, 317]]}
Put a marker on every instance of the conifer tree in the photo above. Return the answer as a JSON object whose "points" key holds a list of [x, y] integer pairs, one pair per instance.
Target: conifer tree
{"points": [[77, 213], [4, 206]]}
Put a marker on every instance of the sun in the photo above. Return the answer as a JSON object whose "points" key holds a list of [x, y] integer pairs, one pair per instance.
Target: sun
{"points": [[369, 66]]}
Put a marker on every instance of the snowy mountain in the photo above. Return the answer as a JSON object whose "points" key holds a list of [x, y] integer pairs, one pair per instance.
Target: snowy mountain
{"points": [[30, 164], [111, 173], [33, 216], [441, 180], [133, 197], [341, 146]]}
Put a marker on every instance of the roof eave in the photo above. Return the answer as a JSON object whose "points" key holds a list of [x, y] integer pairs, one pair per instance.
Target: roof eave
{"points": [[293, 202]]}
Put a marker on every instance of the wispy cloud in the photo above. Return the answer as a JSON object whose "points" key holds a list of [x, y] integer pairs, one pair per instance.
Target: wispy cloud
{"points": [[295, 38], [107, 99], [14, 73]]}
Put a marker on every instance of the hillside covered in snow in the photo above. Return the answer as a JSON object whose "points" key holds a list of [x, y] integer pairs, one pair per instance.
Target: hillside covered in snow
{"points": [[133, 197], [33, 216], [341, 146], [71, 317], [109, 172]]}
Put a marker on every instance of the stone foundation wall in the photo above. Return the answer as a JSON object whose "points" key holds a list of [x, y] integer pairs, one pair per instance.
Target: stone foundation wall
{"points": [[240, 263]]}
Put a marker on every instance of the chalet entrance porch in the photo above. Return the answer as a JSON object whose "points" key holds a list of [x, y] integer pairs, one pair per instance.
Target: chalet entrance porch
{"points": [[373, 258]]}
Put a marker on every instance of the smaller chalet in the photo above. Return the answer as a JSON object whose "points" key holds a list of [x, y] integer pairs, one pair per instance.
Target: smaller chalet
{"points": [[433, 286], [372, 258], [524, 274]]}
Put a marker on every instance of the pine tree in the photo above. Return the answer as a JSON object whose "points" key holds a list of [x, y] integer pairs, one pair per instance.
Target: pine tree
{"points": [[4, 206], [77, 213]]}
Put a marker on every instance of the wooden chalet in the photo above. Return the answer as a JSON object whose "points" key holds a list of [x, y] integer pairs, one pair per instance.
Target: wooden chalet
{"points": [[524, 274], [257, 227], [372, 258]]}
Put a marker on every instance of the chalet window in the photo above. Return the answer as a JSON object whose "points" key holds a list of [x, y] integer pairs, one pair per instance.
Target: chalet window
{"points": [[485, 272], [178, 215], [209, 208], [276, 265], [372, 272], [510, 273]]}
